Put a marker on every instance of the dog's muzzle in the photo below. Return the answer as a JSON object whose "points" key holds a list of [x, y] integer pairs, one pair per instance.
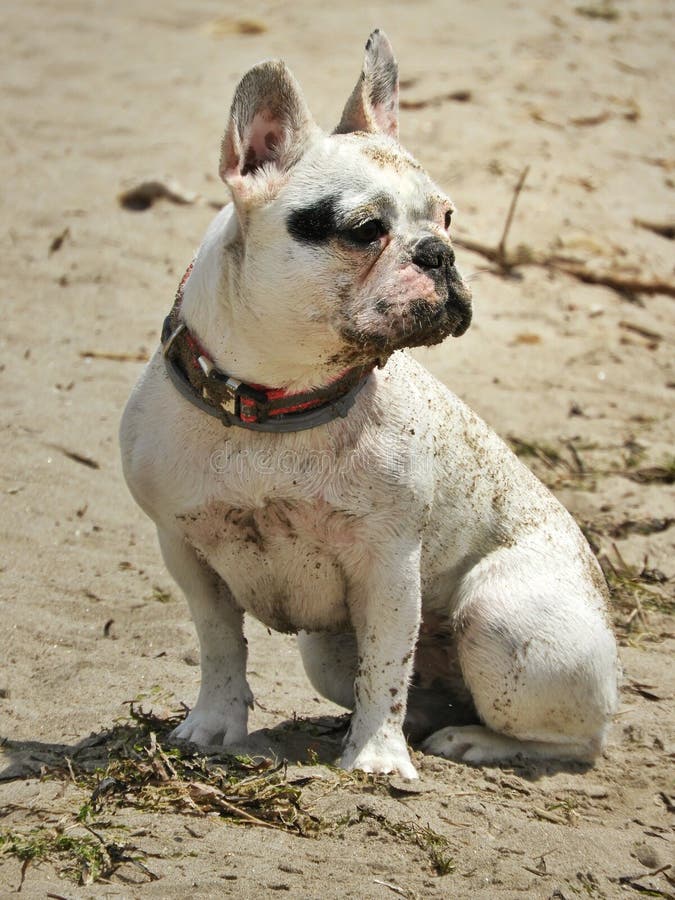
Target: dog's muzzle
{"points": [[417, 322]]}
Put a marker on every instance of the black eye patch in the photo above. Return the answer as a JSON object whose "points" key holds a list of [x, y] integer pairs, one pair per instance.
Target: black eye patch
{"points": [[314, 224]]}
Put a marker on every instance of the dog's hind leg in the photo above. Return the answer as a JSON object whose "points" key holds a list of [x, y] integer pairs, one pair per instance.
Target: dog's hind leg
{"points": [[540, 662], [331, 662], [220, 714]]}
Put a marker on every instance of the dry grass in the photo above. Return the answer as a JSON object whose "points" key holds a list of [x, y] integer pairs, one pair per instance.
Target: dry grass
{"points": [[635, 591], [131, 767], [438, 848]]}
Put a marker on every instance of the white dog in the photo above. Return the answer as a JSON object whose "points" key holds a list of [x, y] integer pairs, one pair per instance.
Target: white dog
{"points": [[302, 468]]}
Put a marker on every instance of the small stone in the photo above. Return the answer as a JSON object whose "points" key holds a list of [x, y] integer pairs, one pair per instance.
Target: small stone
{"points": [[409, 786], [647, 855]]}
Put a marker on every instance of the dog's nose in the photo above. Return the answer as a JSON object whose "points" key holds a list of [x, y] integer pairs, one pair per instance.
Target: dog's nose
{"points": [[432, 253]]}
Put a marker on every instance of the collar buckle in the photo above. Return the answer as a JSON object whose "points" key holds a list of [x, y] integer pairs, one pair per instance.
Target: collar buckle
{"points": [[235, 390]]}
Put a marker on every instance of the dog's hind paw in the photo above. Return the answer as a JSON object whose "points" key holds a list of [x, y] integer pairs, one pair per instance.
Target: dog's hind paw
{"points": [[479, 745], [472, 744], [211, 728]]}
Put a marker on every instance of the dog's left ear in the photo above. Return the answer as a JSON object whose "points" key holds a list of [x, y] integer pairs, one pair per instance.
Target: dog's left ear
{"points": [[373, 105], [269, 126]]}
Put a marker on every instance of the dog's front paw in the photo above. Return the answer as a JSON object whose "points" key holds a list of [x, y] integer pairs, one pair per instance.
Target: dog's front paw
{"points": [[209, 727], [381, 756]]}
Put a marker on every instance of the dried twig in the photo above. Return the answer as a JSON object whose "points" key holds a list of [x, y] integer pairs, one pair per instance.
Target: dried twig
{"points": [[144, 194], [200, 795], [663, 229], [501, 246], [392, 887], [57, 242], [646, 333], [141, 356], [76, 457], [550, 817], [461, 96], [578, 461], [632, 880], [498, 254], [623, 284]]}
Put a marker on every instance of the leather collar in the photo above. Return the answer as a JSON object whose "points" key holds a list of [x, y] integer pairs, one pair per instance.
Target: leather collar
{"points": [[250, 406]]}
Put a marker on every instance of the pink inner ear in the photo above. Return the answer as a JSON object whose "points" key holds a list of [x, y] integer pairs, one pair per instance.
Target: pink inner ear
{"points": [[386, 115], [262, 141]]}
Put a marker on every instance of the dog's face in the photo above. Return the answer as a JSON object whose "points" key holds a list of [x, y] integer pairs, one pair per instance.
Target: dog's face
{"points": [[343, 238]]}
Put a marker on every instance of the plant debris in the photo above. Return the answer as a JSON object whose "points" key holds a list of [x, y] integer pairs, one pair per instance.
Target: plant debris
{"points": [[141, 772], [585, 121], [628, 285], [435, 845], [140, 356], [224, 25], [647, 333], [57, 242], [640, 526], [130, 767], [144, 194], [663, 229], [76, 457], [545, 452], [160, 594], [461, 96], [603, 10], [663, 474], [632, 593], [85, 858], [635, 591], [643, 690], [560, 471]]}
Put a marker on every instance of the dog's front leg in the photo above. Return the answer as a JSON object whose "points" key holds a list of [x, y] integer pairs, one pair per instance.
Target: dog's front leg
{"points": [[220, 714], [385, 608]]}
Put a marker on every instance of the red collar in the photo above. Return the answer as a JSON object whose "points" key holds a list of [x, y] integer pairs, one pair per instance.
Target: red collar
{"points": [[249, 405]]}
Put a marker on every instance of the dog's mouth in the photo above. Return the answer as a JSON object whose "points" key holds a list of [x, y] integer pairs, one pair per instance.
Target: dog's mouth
{"points": [[420, 324]]}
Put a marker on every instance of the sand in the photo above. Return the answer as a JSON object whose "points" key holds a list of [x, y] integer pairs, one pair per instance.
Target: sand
{"points": [[98, 97]]}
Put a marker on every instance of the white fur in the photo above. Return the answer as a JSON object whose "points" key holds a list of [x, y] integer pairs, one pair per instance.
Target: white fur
{"points": [[379, 522], [409, 507]]}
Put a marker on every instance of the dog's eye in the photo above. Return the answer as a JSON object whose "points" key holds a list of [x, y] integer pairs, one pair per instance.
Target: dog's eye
{"points": [[367, 232], [448, 219]]}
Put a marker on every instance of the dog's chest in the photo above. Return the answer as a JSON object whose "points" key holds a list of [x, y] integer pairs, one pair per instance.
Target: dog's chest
{"points": [[282, 562]]}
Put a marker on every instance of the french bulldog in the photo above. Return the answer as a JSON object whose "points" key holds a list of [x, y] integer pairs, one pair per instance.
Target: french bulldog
{"points": [[302, 468]]}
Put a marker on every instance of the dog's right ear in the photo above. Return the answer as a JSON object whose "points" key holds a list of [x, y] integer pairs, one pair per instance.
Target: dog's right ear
{"points": [[267, 132]]}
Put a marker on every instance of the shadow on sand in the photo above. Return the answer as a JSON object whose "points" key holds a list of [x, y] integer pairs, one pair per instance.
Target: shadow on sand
{"points": [[297, 741]]}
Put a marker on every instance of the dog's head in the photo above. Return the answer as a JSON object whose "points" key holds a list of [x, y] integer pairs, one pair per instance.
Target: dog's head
{"points": [[342, 239]]}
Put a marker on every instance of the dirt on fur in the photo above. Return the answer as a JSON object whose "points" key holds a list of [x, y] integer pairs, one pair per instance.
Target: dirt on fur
{"points": [[111, 118]]}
